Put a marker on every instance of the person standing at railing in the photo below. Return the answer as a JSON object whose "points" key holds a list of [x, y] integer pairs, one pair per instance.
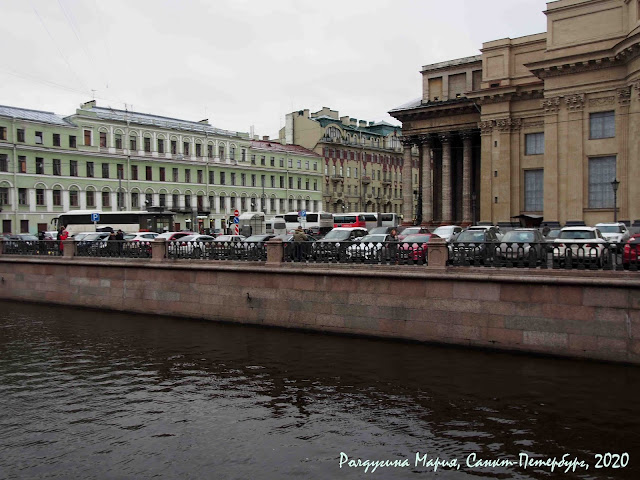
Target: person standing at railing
{"points": [[298, 237], [63, 235], [119, 240], [393, 245]]}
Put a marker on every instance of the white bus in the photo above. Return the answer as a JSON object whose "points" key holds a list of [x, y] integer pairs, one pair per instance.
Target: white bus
{"points": [[77, 221], [320, 221]]}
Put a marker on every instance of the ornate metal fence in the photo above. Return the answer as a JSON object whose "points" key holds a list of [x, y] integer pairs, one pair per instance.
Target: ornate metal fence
{"points": [[244, 251]]}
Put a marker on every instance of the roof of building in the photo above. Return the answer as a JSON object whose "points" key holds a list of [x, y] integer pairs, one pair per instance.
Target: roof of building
{"points": [[452, 63], [406, 106], [33, 115], [159, 121], [273, 146]]}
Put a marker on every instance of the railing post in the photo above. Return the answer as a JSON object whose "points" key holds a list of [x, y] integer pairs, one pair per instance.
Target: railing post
{"points": [[437, 254], [275, 251], [158, 249], [69, 248]]}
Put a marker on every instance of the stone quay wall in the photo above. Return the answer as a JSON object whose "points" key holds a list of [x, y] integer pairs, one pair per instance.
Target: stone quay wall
{"points": [[594, 315]]}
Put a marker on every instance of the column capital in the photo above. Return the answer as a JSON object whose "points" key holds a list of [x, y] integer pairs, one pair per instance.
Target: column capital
{"points": [[486, 127], [551, 105], [444, 137], [624, 95], [466, 135], [425, 140], [575, 101], [408, 141], [508, 124], [637, 87]]}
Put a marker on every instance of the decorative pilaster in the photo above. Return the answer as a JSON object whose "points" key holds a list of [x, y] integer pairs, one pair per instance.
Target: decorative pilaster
{"points": [[486, 127], [466, 176], [407, 181], [445, 139], [575, 102], [624, 96], [551, 105]]}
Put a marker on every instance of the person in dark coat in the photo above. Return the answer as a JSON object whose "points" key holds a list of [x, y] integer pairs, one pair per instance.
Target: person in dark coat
{"points": [[298, 237]]}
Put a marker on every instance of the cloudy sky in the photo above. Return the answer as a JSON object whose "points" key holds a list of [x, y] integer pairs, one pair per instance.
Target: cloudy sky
{"points": [[241, 63]]}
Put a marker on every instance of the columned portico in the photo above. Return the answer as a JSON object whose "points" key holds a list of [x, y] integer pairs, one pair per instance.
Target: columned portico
{"points": [[466, 176], [447, 210], [427, 188], [407, 182]]}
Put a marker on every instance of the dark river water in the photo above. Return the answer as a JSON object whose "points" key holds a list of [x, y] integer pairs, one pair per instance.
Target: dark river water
{"points": [[92, 395]]}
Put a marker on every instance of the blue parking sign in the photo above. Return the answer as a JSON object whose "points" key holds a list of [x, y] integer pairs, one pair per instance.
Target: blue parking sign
{"points": [[95, 217], [236, 220], [303, 213]]}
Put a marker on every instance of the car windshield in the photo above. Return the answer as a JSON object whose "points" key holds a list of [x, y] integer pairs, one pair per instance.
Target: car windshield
{"points": [[187, 238], [337, 235], [471, 236], [202, 238], [577, 234], [514, 236], [129, 236], [374, 238], [27, 238], [92, 237], [610, 229], [79, 236], [443, 230], [256, 238], [417, 238], [379, 230]]}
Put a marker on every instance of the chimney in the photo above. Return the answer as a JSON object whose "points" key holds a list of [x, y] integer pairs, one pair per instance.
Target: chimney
{"points": [[206, 121], [363, 123], [344, 120], [354, 122], [371, 124], [265, 138], [88, 105]]}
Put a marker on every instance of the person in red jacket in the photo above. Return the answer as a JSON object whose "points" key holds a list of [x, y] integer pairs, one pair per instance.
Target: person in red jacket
{"points": [[63, 235]]}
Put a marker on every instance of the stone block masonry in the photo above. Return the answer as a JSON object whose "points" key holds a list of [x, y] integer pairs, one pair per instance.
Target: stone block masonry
{"points": [[572, 314]]}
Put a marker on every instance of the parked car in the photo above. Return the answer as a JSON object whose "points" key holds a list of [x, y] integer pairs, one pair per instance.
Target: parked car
{"points": [[171, 236], [415, 247], [475, 247], [522, 244], [552, 235], [140, 236], [92, 243], [617, 233], [579, 245], [381, 230], [631, 252], [370, 247], [448, 232], [21, 243], [192, 246], [494, 228], [334, 244], [411, 231]]}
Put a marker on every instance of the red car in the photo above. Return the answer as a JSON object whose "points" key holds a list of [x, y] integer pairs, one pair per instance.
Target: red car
{"points": [[411, 231], [414, 247], [631, 252]]}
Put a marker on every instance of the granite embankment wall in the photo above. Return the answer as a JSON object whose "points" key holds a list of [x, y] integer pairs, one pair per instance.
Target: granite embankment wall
{"points": [[583, 314]]}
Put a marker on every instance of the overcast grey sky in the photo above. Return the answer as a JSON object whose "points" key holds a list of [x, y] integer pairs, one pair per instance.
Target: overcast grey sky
{"points": [[241, 62]]}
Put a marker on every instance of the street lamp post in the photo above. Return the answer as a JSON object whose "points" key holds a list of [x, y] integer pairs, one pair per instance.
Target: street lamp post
{"points": [[615, 184]]}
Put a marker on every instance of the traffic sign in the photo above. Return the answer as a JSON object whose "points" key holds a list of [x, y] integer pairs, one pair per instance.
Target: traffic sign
{"points": [[303, 213], [236, 220], [95, 217], [236, 213]]}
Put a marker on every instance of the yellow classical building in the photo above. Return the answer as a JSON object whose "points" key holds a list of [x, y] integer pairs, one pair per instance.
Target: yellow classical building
{"points": [[539, 125]]}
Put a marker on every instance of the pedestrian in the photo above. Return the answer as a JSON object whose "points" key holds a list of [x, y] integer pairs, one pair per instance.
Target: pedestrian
{"points": [[41, 243], [545, 229], [112, 244], [63, 235], [120, 240], [298, 237], [393, 246]]}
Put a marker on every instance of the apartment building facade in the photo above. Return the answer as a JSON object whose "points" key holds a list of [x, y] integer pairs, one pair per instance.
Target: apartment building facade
{"points": [[108, 160]]}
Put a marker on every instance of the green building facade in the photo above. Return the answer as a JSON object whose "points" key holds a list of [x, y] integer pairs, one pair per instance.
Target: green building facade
{"points": [[108, 160]]}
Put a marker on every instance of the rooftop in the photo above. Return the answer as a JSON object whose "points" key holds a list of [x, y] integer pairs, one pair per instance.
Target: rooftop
{"points": [[33, 115], [274, 146]]}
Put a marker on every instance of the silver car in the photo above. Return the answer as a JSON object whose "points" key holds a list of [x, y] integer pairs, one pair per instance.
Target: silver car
{"points": [[522, 244]]}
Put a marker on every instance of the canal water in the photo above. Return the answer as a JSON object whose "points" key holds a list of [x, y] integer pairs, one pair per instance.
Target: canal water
{"points": [[97, 395]]}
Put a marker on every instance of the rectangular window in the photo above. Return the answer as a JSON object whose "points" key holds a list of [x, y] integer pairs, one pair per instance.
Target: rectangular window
{"points": [[160, 145], [73, 198], [232, 202], [4, 197], [147, 144], [57, 167], [281, 182], [56, 139], [4, 163], [38, 138], [290, 163], [148, 200], [133, 143], [273, 181], [290, 182], [222, 203], [103, 139], [134, 172], [106, 199], [148, 172], [185, 148], [24, 226], [3, 134], [20, 135], [602, 171], [174, 174], [57, 198], [22, 164], [273, 161], [120, 171], [22, 196], [212, 178], [263, 160], [222, 178], [73, 168], [233, 178], [91, 198], [282, 162], [232, 153], [299, 183], [39, 166], [135, 200], [253, 159], [602, 125], [198, 150], [534, 144], [243, 155], [162, 174], [187, 202], [119, 141], [200, 177], [174, 147], [299, 164], [210, 151], [221, 151], [72, 141], [87, 137], [253, 179], [105, 170], [187, 175], [534, 190], [40, 196], [175, 199], [162, 199]]}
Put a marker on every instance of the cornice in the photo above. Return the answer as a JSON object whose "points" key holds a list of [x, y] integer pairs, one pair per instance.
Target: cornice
{"points": [[487, 97]]}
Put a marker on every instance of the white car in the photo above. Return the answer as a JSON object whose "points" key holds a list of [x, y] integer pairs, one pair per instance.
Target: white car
{"points": [[579, 245], [370, 247], [140, 236], [448, 232], [494, 228], [614, 232]]}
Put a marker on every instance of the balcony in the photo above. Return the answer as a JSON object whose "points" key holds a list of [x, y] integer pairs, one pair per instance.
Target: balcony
{"points": [[366, 180], [369, 195], [336, 177], [386, 180]]}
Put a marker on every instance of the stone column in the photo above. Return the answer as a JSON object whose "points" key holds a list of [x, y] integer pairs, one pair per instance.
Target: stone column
{"points": [[427, 190], [407, 182], [445, 139], [466, 176]]}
